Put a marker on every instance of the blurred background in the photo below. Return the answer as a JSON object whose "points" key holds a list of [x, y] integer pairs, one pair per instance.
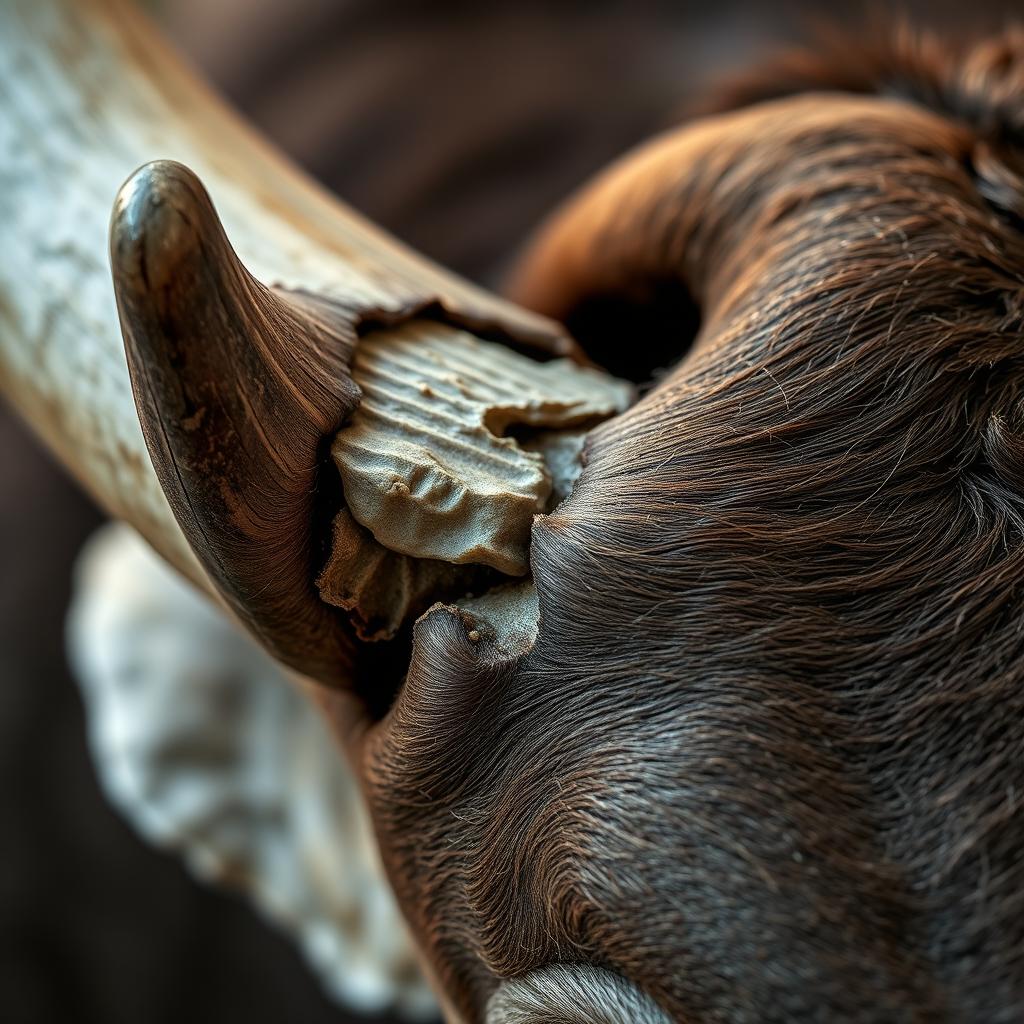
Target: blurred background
{"points": [[457, 126]]}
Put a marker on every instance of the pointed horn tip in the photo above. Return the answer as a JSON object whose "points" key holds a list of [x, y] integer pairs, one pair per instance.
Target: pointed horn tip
{"points": [[162, 216]]}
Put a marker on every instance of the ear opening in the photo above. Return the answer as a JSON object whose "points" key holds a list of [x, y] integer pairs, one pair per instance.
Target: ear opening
{"points": [[663, 312], [572, 994]]}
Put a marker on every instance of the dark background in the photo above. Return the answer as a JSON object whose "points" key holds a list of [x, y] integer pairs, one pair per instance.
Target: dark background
{"points": [[456, 126]]}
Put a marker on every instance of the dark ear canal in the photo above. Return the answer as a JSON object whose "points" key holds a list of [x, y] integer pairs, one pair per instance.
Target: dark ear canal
{"points": [[572, 994], [663, 313]]}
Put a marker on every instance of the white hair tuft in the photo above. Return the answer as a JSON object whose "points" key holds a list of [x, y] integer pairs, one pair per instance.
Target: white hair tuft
{"points": [[572, 994]]}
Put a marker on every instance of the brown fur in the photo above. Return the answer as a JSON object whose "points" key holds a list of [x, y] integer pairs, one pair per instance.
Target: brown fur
{"points": [[766, 759]]}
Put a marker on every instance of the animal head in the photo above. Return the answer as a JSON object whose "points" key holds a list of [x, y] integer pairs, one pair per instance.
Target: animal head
{"points": [[764, 758], [718, 717]]}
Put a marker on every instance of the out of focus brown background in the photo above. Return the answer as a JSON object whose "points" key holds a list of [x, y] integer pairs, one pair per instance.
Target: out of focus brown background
{"points": [[456, 126]]}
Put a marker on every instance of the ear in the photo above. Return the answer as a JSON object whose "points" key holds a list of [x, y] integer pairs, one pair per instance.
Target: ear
{"points": [[572, 994]]}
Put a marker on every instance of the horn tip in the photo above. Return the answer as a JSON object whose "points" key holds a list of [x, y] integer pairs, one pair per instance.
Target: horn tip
{"points": [[160, 217]]}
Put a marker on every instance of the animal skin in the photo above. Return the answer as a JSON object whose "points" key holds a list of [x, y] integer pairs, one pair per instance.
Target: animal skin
{"points": [[765, 759]]}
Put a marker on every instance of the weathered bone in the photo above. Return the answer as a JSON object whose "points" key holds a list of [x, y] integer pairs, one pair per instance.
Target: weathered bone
{"points": [[240, 386]]}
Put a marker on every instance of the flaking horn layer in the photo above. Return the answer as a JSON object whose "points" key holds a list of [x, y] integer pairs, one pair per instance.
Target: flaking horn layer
{"points": [[435, 462]]}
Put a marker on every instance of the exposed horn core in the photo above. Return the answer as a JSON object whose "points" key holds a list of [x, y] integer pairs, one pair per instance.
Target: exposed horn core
{"points": [[439, 500], [430, 462], [507, 617]]}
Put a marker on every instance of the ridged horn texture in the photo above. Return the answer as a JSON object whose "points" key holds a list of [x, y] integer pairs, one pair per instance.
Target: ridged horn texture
{"points": [[382, 590], [428, 463], [236, 388]]}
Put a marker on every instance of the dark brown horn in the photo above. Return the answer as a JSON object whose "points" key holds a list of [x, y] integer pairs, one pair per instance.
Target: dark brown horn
{"points": [[237, 387]]}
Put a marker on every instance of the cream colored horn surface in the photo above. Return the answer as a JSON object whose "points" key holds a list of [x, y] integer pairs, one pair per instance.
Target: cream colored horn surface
{"points": [[88, 92]]}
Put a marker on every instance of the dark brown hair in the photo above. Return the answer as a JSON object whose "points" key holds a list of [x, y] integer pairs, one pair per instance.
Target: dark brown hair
{"points": [[766, 757]]}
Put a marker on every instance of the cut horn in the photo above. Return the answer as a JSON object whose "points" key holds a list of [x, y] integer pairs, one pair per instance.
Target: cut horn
{"points": [[241, 386]]}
